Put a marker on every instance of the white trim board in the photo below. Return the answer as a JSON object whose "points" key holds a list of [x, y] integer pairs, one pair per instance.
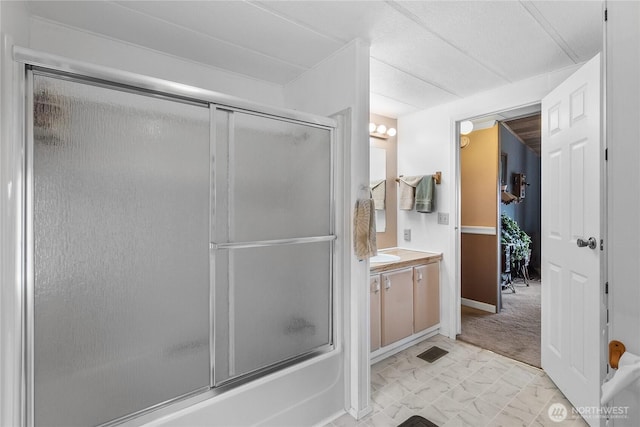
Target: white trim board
{"points": [[398, 346], [478, 305], [473, 229]]}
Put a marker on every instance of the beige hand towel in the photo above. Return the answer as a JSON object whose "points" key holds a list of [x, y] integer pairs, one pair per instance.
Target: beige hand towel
{"points": [[364, 229], [408, 191], [378, 192]]}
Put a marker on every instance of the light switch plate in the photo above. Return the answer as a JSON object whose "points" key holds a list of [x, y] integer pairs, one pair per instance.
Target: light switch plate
{"points": [[443, 218]]}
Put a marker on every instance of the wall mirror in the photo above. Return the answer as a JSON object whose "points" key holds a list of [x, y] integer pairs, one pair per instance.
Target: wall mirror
{"points": [[377, 173]]}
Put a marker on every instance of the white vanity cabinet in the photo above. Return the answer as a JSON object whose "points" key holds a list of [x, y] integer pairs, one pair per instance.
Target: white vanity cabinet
{"points": [[405, 302]]}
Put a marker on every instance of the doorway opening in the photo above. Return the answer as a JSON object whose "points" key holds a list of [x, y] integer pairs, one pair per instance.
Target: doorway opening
{"points": [[500, 198]]}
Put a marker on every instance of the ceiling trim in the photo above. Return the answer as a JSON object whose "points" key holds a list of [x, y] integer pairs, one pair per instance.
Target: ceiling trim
{"points": [[415, 18], [550, 30], [395, 100], [218, 69], [300, 24], [210, 37], [430, 83]]}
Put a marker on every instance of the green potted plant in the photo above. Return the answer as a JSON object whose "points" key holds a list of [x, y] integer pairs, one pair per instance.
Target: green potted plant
{"points": [[513, 235]]}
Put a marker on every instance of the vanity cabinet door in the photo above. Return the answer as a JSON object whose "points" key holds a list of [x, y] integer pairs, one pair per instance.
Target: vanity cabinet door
{"points": [[426, 296], [397, 305], [374, 291]]}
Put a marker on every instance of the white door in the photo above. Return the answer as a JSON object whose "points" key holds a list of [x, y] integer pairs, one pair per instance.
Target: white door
{"points": [[572, 214]]}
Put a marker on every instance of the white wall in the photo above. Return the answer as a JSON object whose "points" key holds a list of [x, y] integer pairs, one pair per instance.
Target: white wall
{"points": [[305, 394], [427, 143], [85, 46], [14, 26], [623, 140], [342, 82]]}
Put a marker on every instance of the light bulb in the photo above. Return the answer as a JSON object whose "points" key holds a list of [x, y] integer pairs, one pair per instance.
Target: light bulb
{"points": [[372, 127], [391, 132], [381, 129], [466, 127]]}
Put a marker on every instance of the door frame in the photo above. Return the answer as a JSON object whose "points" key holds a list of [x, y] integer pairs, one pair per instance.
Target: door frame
{"points": [[456, 315], [457, 312]]}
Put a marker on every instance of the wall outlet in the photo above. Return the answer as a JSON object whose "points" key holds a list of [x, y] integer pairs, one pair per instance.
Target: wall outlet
{"points": [[443, 218], [407, 235]]}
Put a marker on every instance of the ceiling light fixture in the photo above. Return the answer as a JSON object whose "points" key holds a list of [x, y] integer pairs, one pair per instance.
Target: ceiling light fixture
{"points": [[381, 131], [466, 127]]}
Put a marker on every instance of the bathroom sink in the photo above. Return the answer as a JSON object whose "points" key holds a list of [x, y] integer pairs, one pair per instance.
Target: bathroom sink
{"points": [[384, 258]]}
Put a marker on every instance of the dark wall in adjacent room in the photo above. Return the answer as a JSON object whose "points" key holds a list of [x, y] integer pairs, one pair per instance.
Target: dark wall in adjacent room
{"points": [[521, 159]]}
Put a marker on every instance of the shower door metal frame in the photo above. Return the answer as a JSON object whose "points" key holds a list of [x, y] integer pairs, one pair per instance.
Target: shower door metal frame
{"points": [[331, 237], [60, 66]]}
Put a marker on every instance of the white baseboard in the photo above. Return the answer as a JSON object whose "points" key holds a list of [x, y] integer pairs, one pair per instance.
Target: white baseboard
{"points": [[472, 229], [396, 347], [479, 305]]}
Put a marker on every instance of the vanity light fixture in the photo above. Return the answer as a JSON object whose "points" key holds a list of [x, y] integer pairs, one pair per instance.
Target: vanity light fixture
{"points": [[381, 131]]}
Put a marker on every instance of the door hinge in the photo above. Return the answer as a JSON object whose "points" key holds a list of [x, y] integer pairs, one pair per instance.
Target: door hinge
{"points": [[606, 154], [606, 15], [606, 288]]}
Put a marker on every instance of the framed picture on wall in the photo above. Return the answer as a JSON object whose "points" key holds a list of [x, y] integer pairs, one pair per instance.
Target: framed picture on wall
{"points": [[519, 185]]}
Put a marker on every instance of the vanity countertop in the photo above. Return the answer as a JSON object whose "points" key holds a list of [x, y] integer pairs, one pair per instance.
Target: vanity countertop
{"points": [[408, 258]]}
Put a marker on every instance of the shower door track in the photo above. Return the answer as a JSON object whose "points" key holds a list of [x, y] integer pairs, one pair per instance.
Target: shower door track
{"points": [[152, 84]]}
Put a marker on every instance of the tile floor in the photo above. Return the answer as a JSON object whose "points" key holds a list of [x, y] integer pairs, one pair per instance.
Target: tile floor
{"points": [[468, 386]]}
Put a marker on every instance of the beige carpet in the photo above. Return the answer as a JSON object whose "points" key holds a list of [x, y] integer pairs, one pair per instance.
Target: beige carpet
{"points": [[514, 332]]}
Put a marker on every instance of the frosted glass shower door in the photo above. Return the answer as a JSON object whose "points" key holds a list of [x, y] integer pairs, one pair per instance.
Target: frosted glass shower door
{"points": [[272, 240], [120, 247]]}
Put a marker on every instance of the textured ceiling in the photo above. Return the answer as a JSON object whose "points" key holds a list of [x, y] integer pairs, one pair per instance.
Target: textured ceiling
{"points": [[423, 53]]}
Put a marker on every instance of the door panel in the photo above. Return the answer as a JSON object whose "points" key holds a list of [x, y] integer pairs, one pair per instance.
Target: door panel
{"points": [[397, 305], [120, 224], [272, 240], [281, 170], [572, 291], [266, 314], [426, 296]]}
